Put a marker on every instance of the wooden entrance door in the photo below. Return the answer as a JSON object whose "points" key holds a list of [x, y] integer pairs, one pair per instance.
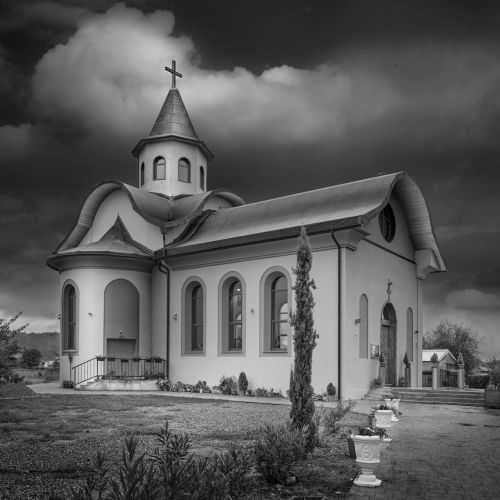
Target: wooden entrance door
{"points": [[388, 343]]}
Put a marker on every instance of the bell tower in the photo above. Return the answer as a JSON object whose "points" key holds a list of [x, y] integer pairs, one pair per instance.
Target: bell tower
{"points": [[172, 160]]}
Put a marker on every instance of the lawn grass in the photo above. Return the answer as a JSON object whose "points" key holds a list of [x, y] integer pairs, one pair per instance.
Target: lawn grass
{"points": [[49, 442]]}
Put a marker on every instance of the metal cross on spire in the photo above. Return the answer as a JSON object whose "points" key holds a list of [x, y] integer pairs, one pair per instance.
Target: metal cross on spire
{"points": [[174, 73], [389, 284]]}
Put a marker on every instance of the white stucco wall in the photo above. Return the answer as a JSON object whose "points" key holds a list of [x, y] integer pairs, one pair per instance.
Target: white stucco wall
{"points": [[91, 283], [118, 204], [262, 370], [172, 151], [368, 270]]}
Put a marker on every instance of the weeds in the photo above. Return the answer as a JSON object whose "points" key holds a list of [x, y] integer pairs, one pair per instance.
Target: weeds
{"points": [[330, 418], [278, 449], [170, 472]]}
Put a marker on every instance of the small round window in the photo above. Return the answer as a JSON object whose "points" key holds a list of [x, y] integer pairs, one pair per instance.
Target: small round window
{"points": [[387, 223]]}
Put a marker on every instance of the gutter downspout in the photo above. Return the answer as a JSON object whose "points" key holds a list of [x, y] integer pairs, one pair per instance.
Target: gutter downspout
{"points": [[165, 269], [339, 316]]}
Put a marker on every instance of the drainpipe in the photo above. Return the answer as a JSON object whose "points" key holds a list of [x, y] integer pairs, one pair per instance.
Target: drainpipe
{"points": [[339, 316], [165, 269]]}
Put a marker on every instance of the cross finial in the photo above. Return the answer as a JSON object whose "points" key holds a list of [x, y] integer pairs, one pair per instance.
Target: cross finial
{"points": [[174, 73], [389, 284]]}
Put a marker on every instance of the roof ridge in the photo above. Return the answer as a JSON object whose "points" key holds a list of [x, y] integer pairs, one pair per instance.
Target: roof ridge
{"points": [[311, 191]]}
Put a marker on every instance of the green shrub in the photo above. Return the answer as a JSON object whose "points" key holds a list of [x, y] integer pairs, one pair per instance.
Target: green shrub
{"points": [[331, 390], [228, 385], [331, 417], [242, 382], [260, 392], [171, 472], [477, 381], [278, 448]]}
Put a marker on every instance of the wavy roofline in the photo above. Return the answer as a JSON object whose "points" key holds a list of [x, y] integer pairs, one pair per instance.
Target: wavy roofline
{"points": [[99, 193]]}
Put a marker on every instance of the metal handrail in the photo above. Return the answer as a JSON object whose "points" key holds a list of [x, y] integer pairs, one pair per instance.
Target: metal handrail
{"points": [[112, 368]]}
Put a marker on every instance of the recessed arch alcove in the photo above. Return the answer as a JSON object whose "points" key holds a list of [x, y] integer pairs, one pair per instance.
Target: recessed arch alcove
{"points": [[121, 319]]}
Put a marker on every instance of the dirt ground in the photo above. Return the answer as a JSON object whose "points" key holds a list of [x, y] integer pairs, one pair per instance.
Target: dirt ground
{"points": [[48, 442]]}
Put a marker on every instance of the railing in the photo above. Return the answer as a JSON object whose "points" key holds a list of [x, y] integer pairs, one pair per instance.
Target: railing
{"points": [[427, 378], [111, 368], [448, 378]]}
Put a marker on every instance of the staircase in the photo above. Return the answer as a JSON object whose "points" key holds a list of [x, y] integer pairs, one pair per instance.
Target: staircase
{"points": [[464, 397]]}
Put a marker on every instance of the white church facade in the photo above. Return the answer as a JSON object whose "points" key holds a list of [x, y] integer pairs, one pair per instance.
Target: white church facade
{"points": [[204, 282]]}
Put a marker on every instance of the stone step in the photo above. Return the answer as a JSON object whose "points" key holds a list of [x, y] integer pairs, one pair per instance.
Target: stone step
{"points": [[428, 396], [446, 402]]}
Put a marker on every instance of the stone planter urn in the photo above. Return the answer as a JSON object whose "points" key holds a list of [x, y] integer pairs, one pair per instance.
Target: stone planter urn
{"points": [[367, 450], [383, 418], [394, 405]]}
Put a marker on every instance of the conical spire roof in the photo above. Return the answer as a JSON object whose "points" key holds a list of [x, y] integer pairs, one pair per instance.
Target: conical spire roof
{"points": [[173, 123], [173, 118]]}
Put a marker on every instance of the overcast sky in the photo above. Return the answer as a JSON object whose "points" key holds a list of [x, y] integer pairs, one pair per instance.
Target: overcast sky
{"points": [[289, 96]]}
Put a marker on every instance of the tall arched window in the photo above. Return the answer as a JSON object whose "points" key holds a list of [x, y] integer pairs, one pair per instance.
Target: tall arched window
{"points": [[193, 317], [279, 314], [363, 326], [202, 179], [184, 170], [274, 304], [159, 169], [141, 175], [232, 314], [196, 319], [235, 324], [409, 333], [69, 326]]}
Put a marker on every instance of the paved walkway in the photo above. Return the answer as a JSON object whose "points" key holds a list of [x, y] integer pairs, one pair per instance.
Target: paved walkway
{"points": [[439, 452]]}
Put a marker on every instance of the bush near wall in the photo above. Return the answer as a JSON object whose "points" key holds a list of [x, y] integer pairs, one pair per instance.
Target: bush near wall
{"points": [[477, 381]]}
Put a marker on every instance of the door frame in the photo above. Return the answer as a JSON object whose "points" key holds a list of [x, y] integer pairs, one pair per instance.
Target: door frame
{"points": [[389, 321]]}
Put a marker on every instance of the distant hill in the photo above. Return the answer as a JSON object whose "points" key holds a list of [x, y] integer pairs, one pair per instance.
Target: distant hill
{"points": [[47, 343]]}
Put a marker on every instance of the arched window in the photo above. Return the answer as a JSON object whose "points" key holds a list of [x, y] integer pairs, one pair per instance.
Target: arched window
{"points": [[202, 179], [141, 175], [275, 296], [184, 170], [69, 323], [279, 314], [387, 223], [363, 326], [159, 169], [232, 314], [235, 324], [193, 318], [197, 319], [409, 333]]}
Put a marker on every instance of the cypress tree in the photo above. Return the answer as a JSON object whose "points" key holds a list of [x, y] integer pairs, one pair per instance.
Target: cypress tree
{"points": [[301, 391]]}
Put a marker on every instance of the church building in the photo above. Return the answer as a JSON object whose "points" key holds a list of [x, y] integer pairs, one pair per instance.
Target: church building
{"points": [[171, 278]]}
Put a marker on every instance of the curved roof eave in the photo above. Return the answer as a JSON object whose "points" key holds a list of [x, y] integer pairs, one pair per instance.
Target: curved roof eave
{"points": [[417, 214], [171, 137], [355, 202], [153, 208], [186, 208]]}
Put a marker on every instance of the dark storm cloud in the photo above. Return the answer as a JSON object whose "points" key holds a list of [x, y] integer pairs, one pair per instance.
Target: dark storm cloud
{"points": [[340, 90]]}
